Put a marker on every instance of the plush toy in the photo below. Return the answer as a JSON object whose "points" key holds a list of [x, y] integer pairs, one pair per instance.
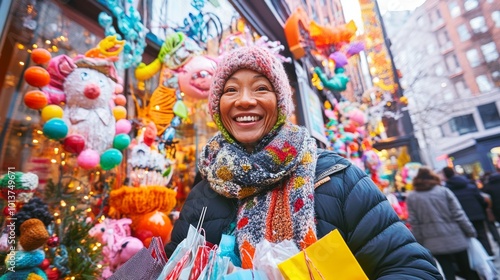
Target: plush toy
{"points": [[19, 185], [26, 255], [88, 85], [119, 247]]}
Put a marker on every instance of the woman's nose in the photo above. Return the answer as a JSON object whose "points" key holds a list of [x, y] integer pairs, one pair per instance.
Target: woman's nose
{"points": [[246, 99]]}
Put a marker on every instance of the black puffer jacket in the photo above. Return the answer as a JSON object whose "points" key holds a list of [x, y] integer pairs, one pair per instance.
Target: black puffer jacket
{"points": [[346, 200], [469, 197], [493, 189]]}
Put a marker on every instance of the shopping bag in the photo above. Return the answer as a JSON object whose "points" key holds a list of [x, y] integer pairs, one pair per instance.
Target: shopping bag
{"points": [[479, 260], [327, 258], [180, 262], [151, 261]]}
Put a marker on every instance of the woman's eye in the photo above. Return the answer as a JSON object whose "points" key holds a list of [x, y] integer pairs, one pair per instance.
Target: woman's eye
{"points": [[262, 88], [229, 90]]}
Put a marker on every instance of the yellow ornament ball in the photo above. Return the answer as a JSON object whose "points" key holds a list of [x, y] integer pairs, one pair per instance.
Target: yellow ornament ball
{"points": [[51, 111], [119, 112]]}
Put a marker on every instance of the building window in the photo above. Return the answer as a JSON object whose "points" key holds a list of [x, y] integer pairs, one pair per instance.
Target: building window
{"points": [[483, 83], [444, 40], [489, 115], [473, 57], [463, 124], [454, 9], [463, 32], [496, 18], [462, 89], [470, 4], [453, 64], [478, 25], [490, 52]]}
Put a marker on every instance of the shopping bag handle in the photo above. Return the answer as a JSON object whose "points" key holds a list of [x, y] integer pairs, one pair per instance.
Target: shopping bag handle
{"points": [[309, 264]]}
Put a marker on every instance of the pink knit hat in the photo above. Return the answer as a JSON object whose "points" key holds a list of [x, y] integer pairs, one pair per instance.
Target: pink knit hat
{"points": [[258, 59]]}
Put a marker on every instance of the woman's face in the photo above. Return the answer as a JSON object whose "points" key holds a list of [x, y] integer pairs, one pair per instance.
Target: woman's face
{"points": [[248, 107]]}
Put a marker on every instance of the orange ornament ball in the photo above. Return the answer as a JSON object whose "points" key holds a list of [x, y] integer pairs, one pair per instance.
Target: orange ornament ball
{"points": [[152, 224], [37, 76], [35, 99], [40, 56], [120, 100]]}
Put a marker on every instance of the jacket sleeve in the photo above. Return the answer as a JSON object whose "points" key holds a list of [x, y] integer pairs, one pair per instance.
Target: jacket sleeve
{"points": [[416, 229], [382, 244], [459, 215]]}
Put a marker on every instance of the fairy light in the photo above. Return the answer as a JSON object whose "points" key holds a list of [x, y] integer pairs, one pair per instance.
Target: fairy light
{"points": [[99, 266], [78, 188], [39, 132], [35, 46], [56, 214], [78, 250], [63, 163], [86, 197], [58, 221], [63, 203], [53, 160], [35, 141], [21, 63], [48, 42], [28, 118], [89, 210], [72, 208], [20, 46], [157, 107]]}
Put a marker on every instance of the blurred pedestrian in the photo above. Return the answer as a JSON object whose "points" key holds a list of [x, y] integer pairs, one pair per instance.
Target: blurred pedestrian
{"points": [[472, 202], [492, 187], [490, 218], [439, 223]]}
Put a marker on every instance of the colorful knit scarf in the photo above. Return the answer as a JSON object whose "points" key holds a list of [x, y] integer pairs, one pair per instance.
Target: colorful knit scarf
{"points": [[274, 186]]}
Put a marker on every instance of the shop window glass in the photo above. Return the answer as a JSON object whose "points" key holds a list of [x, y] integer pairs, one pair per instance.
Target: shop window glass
{"points": [[489, 115], [473, 57], [490, 52], [463, 124], [454, 9], [483, 83], [463, 32], [44, 25]]}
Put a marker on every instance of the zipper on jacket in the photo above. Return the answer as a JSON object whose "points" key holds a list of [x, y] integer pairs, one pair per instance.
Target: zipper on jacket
{"points": [[334, 169]]}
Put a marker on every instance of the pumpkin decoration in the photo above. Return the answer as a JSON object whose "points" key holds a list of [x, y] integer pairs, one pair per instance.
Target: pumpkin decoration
{"points": [[35, 99], [37, 76]]}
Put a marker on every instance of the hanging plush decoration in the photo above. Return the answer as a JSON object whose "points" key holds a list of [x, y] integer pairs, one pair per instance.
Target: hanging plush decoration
{"points": [[337, 83], [130, 26]]}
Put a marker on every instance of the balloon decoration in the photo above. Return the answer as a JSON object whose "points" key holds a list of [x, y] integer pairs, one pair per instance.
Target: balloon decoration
{"points": [[332, 46]]}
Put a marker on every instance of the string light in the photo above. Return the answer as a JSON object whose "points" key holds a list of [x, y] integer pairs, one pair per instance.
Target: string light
{"points": [[63, 203]]}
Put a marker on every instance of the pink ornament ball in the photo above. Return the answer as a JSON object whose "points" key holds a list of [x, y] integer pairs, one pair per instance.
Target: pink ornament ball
{"points": [[88, 159], [123, 126]]}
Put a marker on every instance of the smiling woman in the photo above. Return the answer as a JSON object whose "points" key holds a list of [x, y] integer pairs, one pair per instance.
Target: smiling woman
{"points": [[248, 107], [264, 179]]}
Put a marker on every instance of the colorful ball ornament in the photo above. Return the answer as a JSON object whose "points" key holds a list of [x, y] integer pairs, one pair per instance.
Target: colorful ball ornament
{"points": [[40, 56], [74, 143], [119, 112], [120, 100], [155, 223], [88, 159], [123, 126], [52, 111], [110, 159], [37, 76], [53, 241], [35, 99], [55, 129], [121, 141]]}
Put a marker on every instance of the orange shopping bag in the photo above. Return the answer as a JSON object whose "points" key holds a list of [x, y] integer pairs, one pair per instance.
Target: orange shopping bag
{"points": [[327, 258]]}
